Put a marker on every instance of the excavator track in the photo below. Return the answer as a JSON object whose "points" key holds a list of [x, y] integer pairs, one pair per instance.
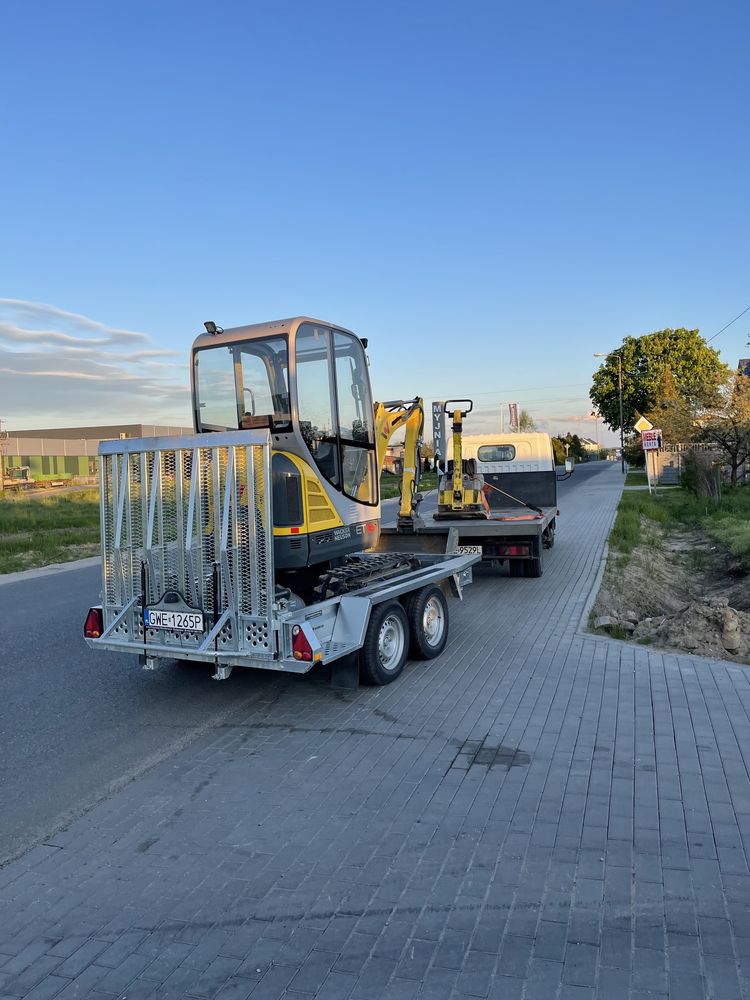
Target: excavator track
{"points": [[361, 570]]}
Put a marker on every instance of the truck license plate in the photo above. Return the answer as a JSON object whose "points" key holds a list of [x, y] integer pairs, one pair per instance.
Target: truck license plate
{"points": [[179, 621], [469, 550]]}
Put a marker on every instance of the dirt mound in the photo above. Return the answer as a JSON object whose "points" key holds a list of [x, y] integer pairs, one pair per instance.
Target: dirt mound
{"points": [[708, 628], [676, 592]]}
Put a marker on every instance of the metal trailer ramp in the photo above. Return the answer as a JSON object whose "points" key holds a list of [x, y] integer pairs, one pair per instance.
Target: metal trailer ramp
{"points": [[187, 521]]}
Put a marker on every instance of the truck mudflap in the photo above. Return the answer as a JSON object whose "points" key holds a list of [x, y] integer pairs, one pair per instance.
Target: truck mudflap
{"points": [[187, 547]]}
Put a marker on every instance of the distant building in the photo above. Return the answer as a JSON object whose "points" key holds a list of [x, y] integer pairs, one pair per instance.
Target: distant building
{"points": [[589, 445], [69, 452], [394, 459], [743, 366], [105, 432]]}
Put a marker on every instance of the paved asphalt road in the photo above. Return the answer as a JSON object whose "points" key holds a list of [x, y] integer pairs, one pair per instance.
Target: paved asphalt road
{"points": [[75, 724]]}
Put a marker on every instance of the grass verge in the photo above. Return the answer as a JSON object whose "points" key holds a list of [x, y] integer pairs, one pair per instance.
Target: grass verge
{"points": [[390, 485], [38, 531], [635, 478], [728, 523]]}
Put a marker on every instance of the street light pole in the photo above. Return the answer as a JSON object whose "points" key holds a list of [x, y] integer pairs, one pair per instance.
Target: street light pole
{"points": [[619, 381]]}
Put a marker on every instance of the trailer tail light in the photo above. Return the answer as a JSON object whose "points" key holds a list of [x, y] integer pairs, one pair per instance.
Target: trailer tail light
{"points": [[94, 624], [301, 648]]}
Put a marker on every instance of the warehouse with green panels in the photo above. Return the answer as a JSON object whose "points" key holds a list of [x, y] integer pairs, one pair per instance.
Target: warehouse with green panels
{"points": [[57, 453]]}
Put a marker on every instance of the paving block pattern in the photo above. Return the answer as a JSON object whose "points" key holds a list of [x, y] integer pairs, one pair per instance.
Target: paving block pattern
{"points": [[536, 814]]}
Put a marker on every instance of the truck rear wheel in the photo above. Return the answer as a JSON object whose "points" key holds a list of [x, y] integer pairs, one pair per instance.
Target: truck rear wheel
{"points": [[516, 567], [548, 537], [533, 567], [386, 644], [427, 614]]}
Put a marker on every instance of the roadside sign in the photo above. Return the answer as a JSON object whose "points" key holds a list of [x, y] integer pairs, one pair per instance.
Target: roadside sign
{"points": [[513, 416], [438, 431], [651, 439], [642, 424]]}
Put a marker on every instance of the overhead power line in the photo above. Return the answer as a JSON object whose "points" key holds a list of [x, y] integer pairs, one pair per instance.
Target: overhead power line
{"points": [[503, 392], [728, 325]]}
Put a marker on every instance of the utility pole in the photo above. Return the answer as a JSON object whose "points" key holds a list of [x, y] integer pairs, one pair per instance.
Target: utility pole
{"points": [[3, 439]]}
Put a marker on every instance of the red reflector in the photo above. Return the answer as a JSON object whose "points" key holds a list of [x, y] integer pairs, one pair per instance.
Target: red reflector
{"points": [[513, 550], [301, 648], [370, 526], [94, 624], [294, 531]]}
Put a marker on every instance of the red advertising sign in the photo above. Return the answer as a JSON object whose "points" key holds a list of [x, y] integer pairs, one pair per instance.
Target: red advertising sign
{"points": [[651, 440]]}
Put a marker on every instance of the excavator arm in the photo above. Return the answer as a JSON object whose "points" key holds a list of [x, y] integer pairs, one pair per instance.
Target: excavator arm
{"points": [[390, 417]]}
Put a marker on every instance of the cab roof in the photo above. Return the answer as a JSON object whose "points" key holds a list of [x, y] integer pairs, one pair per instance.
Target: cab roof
{"points": [[256, 331]]}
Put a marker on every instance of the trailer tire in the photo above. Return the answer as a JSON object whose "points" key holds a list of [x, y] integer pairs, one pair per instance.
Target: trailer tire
{"points": [[386, 644], [427, 614]]}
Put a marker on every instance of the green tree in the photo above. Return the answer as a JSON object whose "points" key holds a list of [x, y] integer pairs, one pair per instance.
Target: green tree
{"points": [[674, 415], [526, 422], [558, 448], [576, 449], [728, 425], [569, 447], [696, 371]]}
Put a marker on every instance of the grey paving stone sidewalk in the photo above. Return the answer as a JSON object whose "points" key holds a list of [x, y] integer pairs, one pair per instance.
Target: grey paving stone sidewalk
{"points": [[538, 814]]}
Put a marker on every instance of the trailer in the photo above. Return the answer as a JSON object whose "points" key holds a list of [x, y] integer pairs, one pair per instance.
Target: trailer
{"points": [[187, 528]]}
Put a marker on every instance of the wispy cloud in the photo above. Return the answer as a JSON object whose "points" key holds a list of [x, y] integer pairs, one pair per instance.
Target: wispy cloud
{"points": [[35, 311], [60, 368]]}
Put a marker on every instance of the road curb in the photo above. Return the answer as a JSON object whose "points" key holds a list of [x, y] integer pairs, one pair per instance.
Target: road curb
{"points": [[32, 574]]}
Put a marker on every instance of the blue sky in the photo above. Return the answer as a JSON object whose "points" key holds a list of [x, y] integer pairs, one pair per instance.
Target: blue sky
{"points": [[489, 191]]}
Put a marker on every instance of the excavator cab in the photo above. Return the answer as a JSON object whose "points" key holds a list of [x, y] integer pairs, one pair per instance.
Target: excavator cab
{"points": [[308, 383]]}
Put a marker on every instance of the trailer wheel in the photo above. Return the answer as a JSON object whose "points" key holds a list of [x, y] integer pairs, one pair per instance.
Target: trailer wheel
{"points": [[427, 613], [386, 644]]}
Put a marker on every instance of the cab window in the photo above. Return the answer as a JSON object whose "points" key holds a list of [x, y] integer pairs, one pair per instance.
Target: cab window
{"points": [[216, 402], [243, 385], [355, 419], [335, 409], [315, 399], [496, 453]]}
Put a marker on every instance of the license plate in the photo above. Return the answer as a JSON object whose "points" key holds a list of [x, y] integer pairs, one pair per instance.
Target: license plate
{"points": [[469, 550], [178, 621]]}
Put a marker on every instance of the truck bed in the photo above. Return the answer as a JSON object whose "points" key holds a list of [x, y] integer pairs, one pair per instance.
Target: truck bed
{"points": [[489, 527], [518, 542]]}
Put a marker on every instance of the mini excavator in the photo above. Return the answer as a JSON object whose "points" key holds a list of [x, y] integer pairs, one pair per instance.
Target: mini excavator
{"points": [[307, 382]]}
